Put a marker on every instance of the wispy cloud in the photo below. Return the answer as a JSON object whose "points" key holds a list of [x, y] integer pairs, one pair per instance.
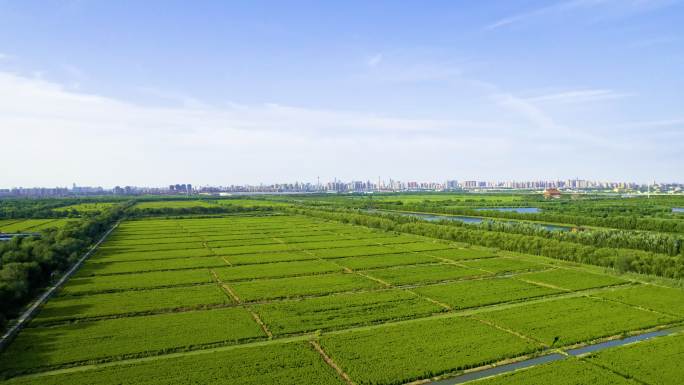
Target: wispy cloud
{"points": [[374, 60], [562, 7], [579, 96]]}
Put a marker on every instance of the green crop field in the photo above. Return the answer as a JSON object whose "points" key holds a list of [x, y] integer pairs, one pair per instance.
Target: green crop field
{"points": [[174, 204], [86, 207], [32, 225], [658, 361], [282, 298]]}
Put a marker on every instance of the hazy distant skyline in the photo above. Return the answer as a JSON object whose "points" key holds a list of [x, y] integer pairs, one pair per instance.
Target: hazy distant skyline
{"points": [[213, 93]]}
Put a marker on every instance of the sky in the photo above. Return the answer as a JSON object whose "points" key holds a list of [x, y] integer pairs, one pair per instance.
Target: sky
{"points": [[151, 93]]}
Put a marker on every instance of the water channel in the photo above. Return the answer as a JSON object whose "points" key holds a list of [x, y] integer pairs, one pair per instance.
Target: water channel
{"points": [[551, 357], [475, 220]]}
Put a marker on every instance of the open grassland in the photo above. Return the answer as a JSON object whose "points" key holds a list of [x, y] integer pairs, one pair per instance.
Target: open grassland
{"points": [[286, 299]]}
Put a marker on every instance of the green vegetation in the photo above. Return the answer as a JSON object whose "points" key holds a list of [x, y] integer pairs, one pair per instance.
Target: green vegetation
{"points": [[281, 364], [417, 274], [556, 322], [482, 292], [276, 269], [571, 279], [89, 342], [247, 295], [662, 299], [658, 361], [81, 208], [124, 282], [567, 372], [106, 268], [503, 265], [621, 259], [342, 310], [421, 349], [67, 308], [384, 260], [301, 286], [29, 264]]}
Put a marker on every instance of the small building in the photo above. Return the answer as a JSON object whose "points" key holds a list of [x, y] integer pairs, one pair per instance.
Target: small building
{"points": [[552, 193]]}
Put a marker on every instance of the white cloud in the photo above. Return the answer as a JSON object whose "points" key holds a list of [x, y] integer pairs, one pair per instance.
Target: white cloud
{"points": [[618, 6], [579, 96], [53, 135], [374, 60]]}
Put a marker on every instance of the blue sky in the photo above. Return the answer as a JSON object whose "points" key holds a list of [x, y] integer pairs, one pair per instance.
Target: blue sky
{"points": [[218, 92]]}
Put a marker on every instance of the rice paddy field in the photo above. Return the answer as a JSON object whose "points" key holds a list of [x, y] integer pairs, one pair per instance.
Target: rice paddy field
{"points": [[288, 299]]}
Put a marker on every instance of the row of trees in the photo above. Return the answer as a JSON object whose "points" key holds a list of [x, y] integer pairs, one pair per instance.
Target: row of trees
{"points": [[664, 243], [622, 259], [29, 264]]}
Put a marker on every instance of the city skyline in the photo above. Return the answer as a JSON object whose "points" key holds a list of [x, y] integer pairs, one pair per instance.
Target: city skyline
{"points": [[339, 186]]}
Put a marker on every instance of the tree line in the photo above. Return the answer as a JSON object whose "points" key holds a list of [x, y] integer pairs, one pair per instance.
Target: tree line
{"points": [[29, 264]]}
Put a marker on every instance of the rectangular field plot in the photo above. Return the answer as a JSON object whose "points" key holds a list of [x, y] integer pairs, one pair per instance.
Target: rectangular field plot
{"points": [[150, 255], [401, 353], [385, 260], [244, 242], [503, 265], [567, 321], [572, 279], [282, 364], [250, 259], [663, 299], [417, 274], [104, 268], [110, 304], [251, 249], [126, 241], [114, 338], [482, 292], [302, 286], [342, 310], [656, 361], [277, 269], [122, 282], [113, 248], [456, 254], [570, 371], [421, 246], [353, 251]]}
